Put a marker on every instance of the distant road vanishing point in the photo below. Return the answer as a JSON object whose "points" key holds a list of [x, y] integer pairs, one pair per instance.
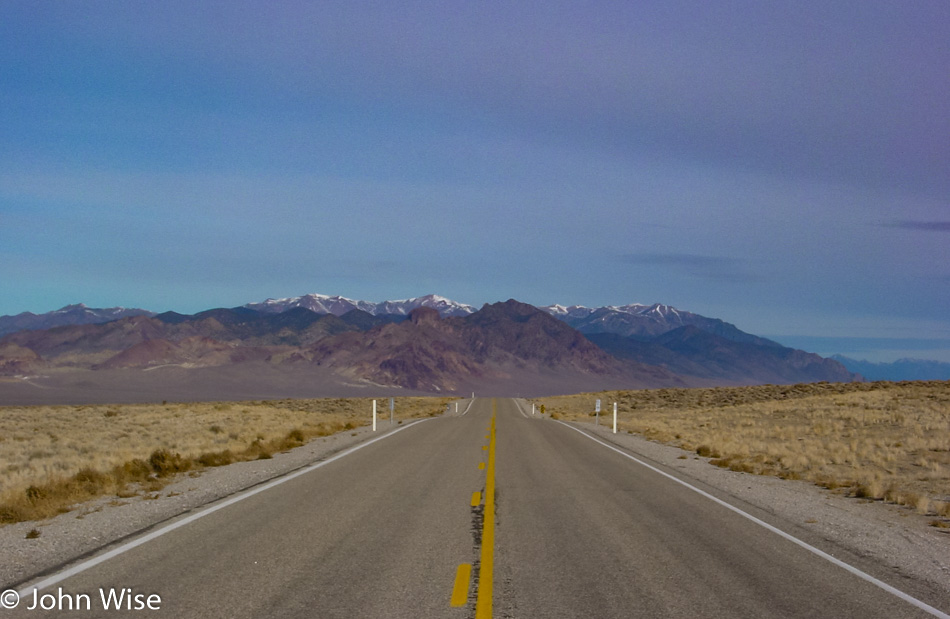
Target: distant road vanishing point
{"points": [[490, 511]]}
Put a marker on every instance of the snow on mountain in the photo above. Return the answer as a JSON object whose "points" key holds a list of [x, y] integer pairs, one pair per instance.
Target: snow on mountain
{"points": [[323, 304], [337, 305], [78, 314], [638, 309], [563, 312], [319, 303], [634, 319], [445, 307], [104, 313], [634, 309], [644, 321]]}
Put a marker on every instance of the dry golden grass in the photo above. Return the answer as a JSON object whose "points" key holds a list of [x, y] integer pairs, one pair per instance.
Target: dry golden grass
{"points": [[52, 457], [882, 441]]}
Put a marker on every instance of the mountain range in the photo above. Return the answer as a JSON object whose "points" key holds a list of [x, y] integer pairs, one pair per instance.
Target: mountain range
{"points": [[70, 315], [320, 345], [902, 369], [323, 304]]}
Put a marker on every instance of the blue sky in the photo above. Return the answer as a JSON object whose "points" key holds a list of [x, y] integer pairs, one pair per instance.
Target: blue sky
{"points": [[783, 166]]}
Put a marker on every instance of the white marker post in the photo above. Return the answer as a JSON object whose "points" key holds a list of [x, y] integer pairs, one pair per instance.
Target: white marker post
{"points": [[374, 415], [456, 408], [532, 410], [392, 407], [597, 412], [615, 417]]}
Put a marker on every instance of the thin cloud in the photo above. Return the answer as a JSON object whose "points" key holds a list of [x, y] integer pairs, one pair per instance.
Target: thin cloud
{"points": [[927, 226], [687, 260], [697, 265]]}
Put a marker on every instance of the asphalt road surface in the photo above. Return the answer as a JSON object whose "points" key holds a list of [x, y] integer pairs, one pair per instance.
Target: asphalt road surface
{"points": [[399, 528]]}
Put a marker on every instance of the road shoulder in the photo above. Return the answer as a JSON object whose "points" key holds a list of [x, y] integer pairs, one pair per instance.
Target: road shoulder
{"points": [[891, 535], [94, 525]]}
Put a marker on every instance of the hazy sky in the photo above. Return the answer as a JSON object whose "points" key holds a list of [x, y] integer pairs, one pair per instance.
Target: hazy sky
{"points": [[783, 166]]}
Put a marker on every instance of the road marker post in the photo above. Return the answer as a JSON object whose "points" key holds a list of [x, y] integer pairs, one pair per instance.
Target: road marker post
{"points": [[615, 417], [392, 410], [374, 415], [597, 412]]}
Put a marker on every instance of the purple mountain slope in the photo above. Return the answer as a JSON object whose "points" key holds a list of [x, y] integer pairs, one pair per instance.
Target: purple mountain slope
{"points": [[70, 315]]}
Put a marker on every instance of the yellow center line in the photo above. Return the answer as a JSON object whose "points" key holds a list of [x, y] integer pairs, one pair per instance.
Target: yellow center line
{"points": [[481, 465], [476, 499], [483, 603], [460, 591]]}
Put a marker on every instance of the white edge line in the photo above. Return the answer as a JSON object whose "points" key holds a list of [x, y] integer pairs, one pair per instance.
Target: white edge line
{"points": [[470, 402], [824, 555], [85, 565], [520, 410]]}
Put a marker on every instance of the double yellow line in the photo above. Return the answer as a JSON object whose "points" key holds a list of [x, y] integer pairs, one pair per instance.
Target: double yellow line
{"points": [[483, 601]]}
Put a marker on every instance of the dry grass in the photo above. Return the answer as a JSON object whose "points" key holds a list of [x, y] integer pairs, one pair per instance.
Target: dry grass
{"points": [[881, 441], [52, 457]]}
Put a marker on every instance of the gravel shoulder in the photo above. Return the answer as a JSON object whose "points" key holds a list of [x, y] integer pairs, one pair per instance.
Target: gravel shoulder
{"points": [[96, 524], [893, 536]]}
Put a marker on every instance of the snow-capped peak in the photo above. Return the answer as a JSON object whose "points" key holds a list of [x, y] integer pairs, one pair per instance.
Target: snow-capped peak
{"points": [[445, 307], [635, 309], [319, 303], [324, 304], [82, 308], [638, 309], [571, 311]]}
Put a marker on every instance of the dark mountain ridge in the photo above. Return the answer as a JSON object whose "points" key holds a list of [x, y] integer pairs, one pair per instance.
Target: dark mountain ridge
{"points": [[511, 345], [690, 351], [902, 369], [77, 314], [495, 343], [647, 322]]}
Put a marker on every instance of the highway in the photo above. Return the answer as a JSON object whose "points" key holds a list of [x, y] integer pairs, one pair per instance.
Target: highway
{"points": [[400, 528]]}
